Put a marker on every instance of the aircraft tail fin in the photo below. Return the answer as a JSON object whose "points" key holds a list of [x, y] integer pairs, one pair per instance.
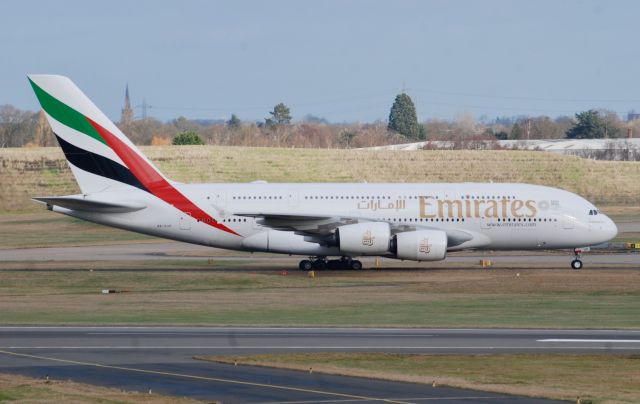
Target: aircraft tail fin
{"points": [[100, 156]]}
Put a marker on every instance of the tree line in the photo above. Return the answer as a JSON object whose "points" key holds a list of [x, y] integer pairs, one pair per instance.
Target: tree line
{"points": [[19, 128]]}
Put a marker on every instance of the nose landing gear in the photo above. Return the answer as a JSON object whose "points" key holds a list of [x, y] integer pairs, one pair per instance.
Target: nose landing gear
{"points": [[577, 262], [321, 263]]}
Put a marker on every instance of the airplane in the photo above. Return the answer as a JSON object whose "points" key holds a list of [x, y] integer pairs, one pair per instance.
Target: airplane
{"points": [[419, 222]]}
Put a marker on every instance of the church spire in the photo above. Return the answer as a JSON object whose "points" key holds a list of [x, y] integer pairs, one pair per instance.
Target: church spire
{"points": [[127, 103], [127, 112]]}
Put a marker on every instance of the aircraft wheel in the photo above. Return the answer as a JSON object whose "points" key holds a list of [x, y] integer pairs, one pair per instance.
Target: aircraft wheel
{"points": [[305, 265], [320, 264], [355, 264], [576, 264]]}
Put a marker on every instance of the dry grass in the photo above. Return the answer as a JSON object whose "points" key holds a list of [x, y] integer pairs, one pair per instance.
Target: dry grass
{"points": [[601, 378], [16, 388], [42, 171]]}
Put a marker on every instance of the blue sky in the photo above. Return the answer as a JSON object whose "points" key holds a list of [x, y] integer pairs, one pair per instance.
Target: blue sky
{"points": [[342, 60]]}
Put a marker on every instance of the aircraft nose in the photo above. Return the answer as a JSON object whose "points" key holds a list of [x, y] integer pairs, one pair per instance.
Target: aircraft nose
{"points": [[609, 229]]}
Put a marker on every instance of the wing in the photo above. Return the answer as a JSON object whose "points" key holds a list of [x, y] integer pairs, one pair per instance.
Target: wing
{"points": [[310, 224], [318, 225]]}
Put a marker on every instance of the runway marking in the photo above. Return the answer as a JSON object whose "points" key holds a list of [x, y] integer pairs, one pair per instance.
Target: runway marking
{"points": [[214, 379], [411, 398], [632, 341], [328, 347], [246, 334], [328, 329]]}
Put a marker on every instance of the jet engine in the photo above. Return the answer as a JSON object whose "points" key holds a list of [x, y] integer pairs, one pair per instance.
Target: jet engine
{"points": [[421, 245], [370, 238]]}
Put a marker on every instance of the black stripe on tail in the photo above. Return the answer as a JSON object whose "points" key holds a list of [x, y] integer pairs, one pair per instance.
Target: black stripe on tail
{"points": [[98, 165]]}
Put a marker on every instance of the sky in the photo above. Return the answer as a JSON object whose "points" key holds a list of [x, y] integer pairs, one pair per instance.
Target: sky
{"points": [[341, 60]]}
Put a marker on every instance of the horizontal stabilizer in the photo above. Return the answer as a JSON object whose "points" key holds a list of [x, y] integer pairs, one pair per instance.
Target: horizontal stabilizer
{"points": [[82, 203]]}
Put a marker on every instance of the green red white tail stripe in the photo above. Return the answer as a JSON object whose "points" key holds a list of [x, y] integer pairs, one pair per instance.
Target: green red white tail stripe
{"points": [[96, 149]]}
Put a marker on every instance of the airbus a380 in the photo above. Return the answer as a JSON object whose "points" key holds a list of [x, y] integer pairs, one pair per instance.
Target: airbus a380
{"points": [[420, 222]]}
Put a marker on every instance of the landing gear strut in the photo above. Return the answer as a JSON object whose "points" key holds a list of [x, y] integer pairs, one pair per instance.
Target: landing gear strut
{"points": [[576, 263], [321, 263]]}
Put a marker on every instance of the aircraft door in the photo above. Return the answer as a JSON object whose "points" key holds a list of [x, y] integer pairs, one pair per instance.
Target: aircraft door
{"points": [[185, 221], [568, 222], [292, 196], [485, 222], [219, 202]]}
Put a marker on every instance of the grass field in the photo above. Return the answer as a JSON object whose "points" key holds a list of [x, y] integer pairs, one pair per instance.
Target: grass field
{"points": [[28, 172], [598, 378], [438, 298], [15, 388], [49, 229]]}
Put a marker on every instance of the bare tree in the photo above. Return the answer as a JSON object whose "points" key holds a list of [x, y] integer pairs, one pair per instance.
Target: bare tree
{"points": [[16, 126]]}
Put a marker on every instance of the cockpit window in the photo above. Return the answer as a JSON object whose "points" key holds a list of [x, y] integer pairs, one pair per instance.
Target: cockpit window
{"points": [[593, 212]]}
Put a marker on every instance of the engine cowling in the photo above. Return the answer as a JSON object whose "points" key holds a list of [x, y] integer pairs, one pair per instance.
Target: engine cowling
{"points": [[364, 238], [422, 245]]}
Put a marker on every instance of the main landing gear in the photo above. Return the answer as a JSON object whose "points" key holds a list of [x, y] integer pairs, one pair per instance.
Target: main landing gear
{"points": [[321, 263], [577, 263]]}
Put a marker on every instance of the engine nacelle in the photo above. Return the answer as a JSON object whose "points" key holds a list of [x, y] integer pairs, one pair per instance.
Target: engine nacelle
{"points": [[364, 238], [422, 245]]}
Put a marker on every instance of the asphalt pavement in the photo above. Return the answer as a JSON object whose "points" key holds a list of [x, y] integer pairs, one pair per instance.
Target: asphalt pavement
{"points": [[162, 359]]}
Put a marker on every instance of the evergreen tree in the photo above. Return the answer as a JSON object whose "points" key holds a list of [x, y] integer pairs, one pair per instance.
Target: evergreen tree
{"points": [[403, 118], [590, 125], [281, 115], [516, 131], [187, 138], [234, 122]]}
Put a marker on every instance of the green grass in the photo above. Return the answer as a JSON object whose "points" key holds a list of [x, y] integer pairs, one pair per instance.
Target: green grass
{"points": [[538, 298], [49, 229], [599, 378]]}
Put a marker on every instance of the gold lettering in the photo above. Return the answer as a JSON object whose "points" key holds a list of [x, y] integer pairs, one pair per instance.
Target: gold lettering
{"points": [[515, 207], [532, 207], [477, 204], [476, 208], [450, 205], [424, 204], [491, 211]]}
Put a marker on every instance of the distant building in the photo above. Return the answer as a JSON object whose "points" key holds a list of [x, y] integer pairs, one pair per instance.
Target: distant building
{"points": [[632, 116], [127, 112]]}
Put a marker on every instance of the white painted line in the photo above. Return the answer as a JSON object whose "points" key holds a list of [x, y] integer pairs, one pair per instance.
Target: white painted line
{"points": [[630, 341], [214, 328], [327, 347], [265, 334], [412, 399]]}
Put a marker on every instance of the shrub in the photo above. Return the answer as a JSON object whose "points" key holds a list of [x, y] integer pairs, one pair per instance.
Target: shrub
{"points": [[188, 138]]}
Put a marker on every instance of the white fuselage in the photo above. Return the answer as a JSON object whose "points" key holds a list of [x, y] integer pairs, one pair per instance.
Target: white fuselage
{"points": [[474, 215]]}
